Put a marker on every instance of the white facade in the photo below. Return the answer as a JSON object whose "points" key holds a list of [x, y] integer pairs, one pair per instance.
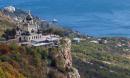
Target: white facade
{"points": [[31, 37], [28, 29], [28, 33]]}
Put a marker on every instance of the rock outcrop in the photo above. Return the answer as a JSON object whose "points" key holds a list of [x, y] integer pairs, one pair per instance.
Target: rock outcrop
{"points": [[66, 52], [63, 60], [9, 9]]}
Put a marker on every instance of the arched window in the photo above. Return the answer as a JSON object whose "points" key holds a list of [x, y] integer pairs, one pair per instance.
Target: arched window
{"points": [[28, 38], [19, 32], [24, 38]]}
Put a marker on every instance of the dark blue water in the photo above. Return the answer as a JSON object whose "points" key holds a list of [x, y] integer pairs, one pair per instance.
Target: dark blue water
{"points": [[93, 17]]}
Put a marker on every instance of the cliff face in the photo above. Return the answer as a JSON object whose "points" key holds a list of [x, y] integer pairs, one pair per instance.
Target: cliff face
{"points": [[66, 52], [63, 60]]}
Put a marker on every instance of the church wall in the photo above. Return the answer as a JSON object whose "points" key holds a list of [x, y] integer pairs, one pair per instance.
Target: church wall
{"points": [[31, 37]]}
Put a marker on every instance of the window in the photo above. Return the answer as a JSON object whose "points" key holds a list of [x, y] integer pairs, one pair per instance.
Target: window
{"points": [[19, 33], [28, 38], [24, 38]]}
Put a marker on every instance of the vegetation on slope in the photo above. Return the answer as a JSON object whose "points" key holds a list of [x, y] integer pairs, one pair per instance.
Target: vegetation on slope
{"points": [[28, 61], [98, 61], [92, 60], [8, 71], [31, 62]]}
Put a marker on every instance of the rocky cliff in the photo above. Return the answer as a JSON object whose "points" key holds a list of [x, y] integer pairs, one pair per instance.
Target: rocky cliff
{"points": [[63, 60]]}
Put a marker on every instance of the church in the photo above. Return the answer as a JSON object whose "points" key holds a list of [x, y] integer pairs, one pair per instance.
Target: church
{"points": [[29, 31]]}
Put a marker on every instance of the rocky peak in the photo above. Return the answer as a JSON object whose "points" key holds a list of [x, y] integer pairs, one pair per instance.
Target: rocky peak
{"points": [[10, 9], [66, 52], [63, 60]]}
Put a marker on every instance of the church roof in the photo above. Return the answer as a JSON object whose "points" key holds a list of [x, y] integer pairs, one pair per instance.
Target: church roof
{"points": [[29, 17]]}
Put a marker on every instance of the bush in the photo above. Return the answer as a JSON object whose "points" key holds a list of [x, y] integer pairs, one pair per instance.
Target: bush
{"points": [[9, 34], [13, 46], [4, 49], [7, 71]]}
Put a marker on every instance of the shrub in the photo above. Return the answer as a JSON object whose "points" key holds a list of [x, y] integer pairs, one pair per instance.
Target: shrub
{"points": [[7, 71], [4, 49]]}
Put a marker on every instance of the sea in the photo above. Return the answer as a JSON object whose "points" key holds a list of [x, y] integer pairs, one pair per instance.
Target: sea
{"points": [[90, 17]]}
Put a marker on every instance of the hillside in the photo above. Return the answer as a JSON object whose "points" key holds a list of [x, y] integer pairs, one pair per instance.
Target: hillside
{"points": [[91, 59], [37, 62], [5, 23], [101, 60]]}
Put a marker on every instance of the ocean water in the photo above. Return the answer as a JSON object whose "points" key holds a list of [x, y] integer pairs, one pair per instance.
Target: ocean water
{"points": [[92, 17]]}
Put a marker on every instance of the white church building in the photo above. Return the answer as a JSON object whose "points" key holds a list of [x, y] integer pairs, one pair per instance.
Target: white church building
{"points": [[29, 31]]}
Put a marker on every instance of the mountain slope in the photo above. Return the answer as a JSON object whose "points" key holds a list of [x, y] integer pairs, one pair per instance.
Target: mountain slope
{"points": [[5, 23], [101, 60]]}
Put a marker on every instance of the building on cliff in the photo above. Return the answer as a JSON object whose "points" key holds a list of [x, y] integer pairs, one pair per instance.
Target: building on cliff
{"points": [[28, 32]]}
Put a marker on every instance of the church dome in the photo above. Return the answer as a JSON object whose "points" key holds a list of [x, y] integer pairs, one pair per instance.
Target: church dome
{"points": [[29, 18]]}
